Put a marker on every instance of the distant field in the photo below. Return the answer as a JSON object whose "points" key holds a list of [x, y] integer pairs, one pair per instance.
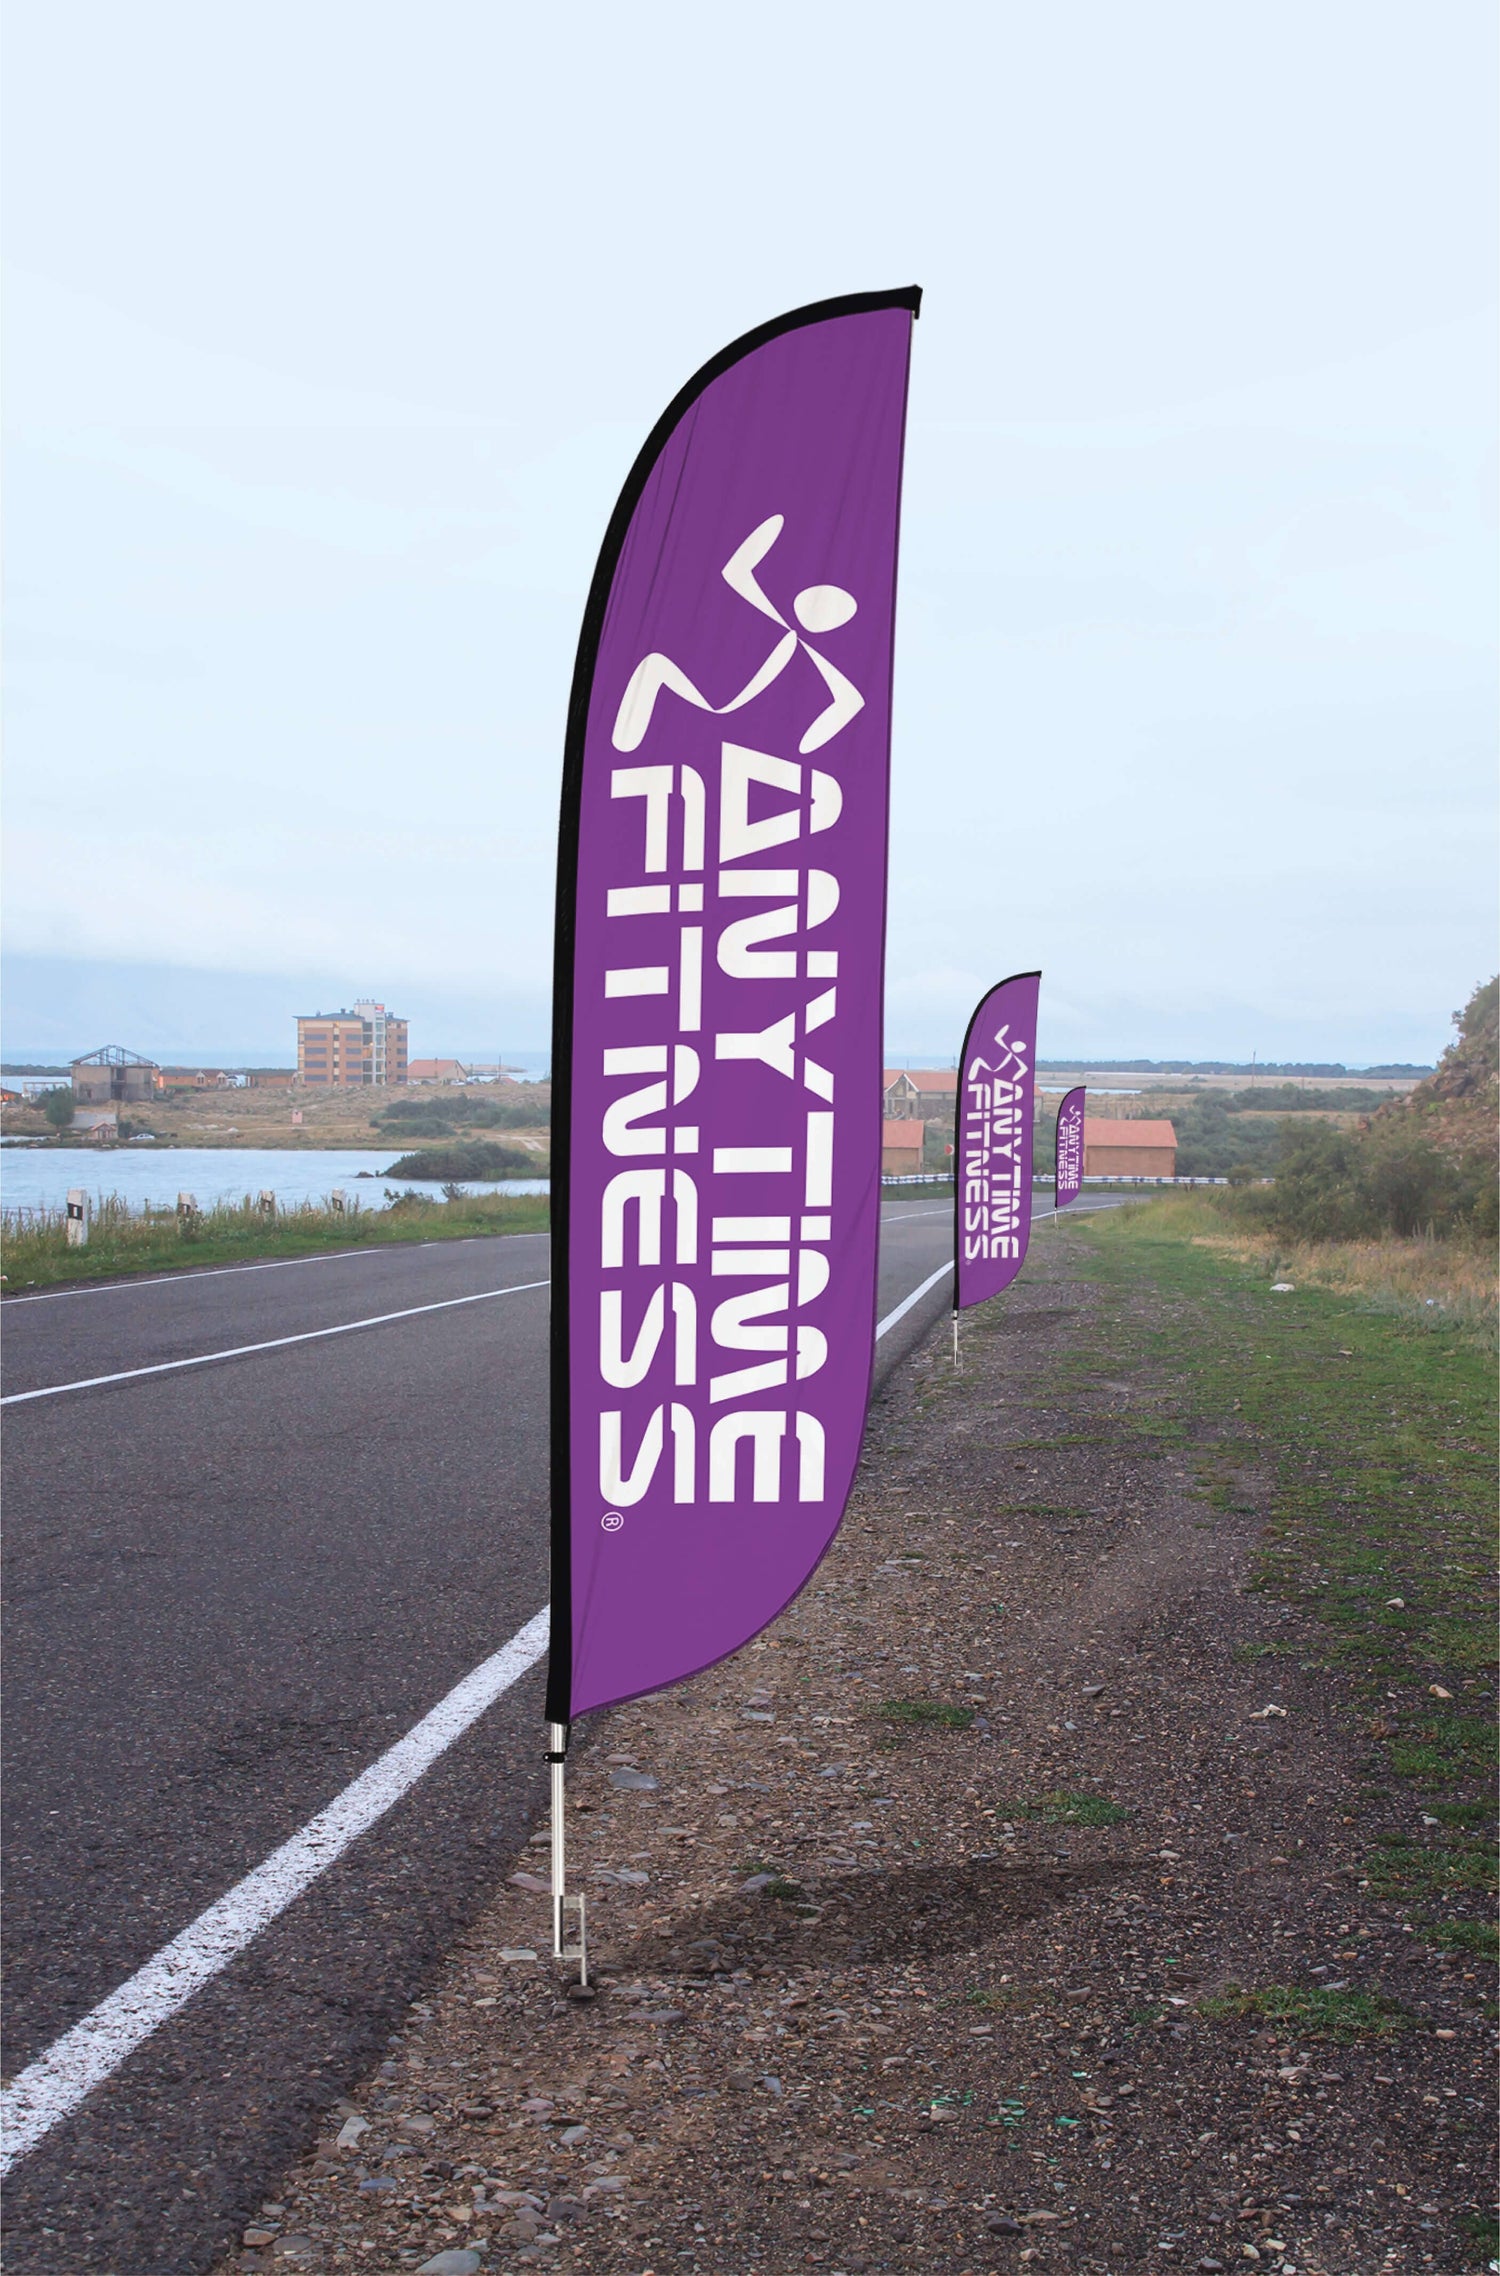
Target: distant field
{"points": [[1188, 1086], [338, 1118]]}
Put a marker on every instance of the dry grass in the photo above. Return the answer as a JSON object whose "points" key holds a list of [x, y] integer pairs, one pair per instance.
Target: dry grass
{"points": [[1442, 1283]]}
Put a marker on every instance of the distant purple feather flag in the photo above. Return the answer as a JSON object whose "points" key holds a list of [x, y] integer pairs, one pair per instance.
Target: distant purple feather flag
{"points": [[1070, 1147], [718, 985], [992, 1193]]}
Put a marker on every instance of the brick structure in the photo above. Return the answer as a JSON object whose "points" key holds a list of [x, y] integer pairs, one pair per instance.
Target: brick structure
{"points": [[901, 1145], [346, 1050], [931, 1093], [1128, 1149], [113, 1076]]}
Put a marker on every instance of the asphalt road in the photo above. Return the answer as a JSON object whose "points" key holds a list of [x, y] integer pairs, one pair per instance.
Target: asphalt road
{"points": [[231, 1588]]}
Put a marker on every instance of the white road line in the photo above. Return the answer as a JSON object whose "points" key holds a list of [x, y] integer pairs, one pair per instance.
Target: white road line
{"points": [[914, 1298], [276, 1343], [945, 1209], [48, 2089], [190, 1273]]}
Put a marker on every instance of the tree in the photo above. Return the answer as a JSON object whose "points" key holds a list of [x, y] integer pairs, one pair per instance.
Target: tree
{"points": [[58, 1107]]}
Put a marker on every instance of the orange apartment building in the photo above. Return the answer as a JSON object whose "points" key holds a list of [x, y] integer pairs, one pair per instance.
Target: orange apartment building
{"points": [[345, 1050]]}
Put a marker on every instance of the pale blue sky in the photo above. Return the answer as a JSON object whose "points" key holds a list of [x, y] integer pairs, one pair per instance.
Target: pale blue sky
{"points": [[333, 330]]}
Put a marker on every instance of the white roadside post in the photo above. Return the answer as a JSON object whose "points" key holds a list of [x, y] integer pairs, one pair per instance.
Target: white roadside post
{"points": [[564, 1907], [339, 1201], [79, 1210], [267, 1202]]}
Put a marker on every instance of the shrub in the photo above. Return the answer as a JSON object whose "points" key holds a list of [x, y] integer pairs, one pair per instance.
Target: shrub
{"points": [[1336, 1185], [470, 1158], [443, 1117]]}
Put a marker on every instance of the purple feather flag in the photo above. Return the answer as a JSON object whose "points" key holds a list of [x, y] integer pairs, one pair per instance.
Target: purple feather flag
{"points": [[1069, 1155], [992, 1190], [717, 1045]]}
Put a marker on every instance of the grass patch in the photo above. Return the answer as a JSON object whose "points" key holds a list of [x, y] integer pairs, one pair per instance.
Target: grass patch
{"points": [[1482, 2231], [123, 1240], [1479, 1937], [1412, 1869], [929, 1711], [1310, 2014], [1461, 1813], [1061, 1808]]}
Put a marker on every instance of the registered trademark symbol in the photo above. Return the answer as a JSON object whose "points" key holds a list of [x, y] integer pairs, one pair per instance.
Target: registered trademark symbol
{"points": [[611, 1521]]}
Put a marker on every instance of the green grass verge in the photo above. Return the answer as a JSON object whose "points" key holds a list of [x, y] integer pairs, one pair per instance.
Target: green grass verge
{"points": [[1380, 1438], [1376, 1434], [123, 1241]]}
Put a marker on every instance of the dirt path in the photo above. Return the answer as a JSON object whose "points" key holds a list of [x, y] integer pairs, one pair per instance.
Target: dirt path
{"points": [[923, 1923]]}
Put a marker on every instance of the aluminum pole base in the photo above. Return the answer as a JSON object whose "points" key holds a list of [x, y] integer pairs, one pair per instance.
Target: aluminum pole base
{"points": [[568, 1912]]}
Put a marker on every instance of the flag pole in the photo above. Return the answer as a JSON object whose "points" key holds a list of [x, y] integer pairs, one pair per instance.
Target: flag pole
{"points": [[564, 1907]]}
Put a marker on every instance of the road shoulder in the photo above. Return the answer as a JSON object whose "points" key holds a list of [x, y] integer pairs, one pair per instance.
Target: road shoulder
{"points": [[1019, 1899]]}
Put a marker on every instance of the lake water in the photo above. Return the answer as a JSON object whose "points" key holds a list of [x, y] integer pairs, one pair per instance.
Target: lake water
{"points": [[39, 1177]]}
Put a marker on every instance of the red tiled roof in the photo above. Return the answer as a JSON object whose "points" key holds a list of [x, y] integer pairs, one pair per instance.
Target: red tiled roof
{"points": [[1127, 1133], [924, 1078]]}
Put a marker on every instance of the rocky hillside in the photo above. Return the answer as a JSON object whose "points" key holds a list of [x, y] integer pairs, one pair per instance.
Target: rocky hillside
{"points": [[1457, 1106]]}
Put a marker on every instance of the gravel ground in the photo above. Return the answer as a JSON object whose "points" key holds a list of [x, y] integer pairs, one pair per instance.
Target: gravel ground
{"points": [[923, 1928]]}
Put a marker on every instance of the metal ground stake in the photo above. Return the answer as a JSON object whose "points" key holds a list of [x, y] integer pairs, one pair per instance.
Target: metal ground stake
{"points": [[567, 1911]]}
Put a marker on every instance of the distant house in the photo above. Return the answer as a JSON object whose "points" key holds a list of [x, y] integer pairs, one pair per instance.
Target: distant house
{"points": [[1128, 1149], [114, 1076], [436, 1071], [270, 1078], [198, 1079], [901, 1145], [95, 1122], [930, 1092], [36, 1086]]}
